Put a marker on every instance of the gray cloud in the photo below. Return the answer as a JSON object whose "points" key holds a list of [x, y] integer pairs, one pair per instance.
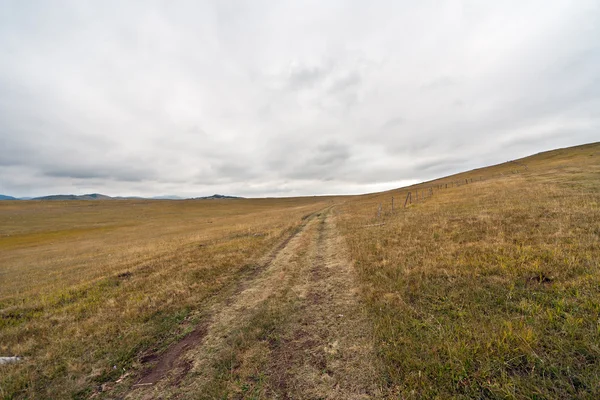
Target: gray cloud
{"points": [[286, 98], [440, 83], [126, 174], [440, 164], [392, 123], [304, 76], [325, 162], [330, 153]]}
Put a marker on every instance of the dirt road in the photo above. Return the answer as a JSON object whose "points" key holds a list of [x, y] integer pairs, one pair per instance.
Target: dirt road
{"points": [[295, 330]]}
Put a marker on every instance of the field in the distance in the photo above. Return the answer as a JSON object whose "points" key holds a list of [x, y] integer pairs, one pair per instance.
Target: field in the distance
{"points": [[486, 286]]}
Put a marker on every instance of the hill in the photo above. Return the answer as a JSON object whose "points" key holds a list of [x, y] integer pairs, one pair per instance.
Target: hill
{"points": [[97, 196], [217, 197], [92, 196], [487, 283], [168, 197]]}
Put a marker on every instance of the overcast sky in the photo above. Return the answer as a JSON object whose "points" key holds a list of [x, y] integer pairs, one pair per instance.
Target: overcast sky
{"points": [[281, 98]]}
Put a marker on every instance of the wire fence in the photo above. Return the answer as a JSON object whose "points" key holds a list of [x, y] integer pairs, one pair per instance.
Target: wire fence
{"points": [[410, 196]]}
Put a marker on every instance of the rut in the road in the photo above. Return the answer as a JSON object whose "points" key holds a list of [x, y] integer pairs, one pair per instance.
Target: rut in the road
{"points": [[166, 376], [295, 331], [326, 349]]}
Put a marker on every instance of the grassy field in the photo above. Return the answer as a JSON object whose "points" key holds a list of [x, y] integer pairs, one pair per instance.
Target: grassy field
{"points": [[490, 289], [88, 286], [487, 285]]}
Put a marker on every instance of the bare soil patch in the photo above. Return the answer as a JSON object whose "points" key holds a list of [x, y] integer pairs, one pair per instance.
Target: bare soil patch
{"points": [[167, 361]]}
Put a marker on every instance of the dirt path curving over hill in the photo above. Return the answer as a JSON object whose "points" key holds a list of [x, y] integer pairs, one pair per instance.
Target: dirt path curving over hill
{"points": [[296, 330]]}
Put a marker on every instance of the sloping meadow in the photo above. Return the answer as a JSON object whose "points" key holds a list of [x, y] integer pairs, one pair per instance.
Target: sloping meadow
{"points": [[488, 286]]}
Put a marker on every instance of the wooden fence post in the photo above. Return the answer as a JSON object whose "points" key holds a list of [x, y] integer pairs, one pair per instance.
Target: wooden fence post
{"points": [[379, 211], [392, 203], [408, 197]]}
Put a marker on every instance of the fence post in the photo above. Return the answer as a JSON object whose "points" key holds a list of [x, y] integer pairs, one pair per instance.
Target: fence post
{"points": [[379, 211], [408, 197], [392, 203]]}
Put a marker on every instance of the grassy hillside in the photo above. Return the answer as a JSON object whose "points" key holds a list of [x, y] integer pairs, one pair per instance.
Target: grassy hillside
{"points": [[488, 287]]}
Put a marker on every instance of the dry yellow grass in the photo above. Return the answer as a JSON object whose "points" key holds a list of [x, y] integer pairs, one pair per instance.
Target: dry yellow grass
{"points": [[490, 289], [88, 286]]}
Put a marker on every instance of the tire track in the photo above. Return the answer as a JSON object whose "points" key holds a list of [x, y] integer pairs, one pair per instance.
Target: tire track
{"points": [[296, 330], [171, 361], [326, 350]]}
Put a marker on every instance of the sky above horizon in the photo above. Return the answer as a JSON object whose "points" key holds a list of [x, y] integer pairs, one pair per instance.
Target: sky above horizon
{"points": [[285, 98]]}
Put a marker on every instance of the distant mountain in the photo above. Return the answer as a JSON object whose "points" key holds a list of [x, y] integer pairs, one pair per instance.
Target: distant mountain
{"points": [[98, 196], [92, 196], [168, 197], [217, 197]]}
